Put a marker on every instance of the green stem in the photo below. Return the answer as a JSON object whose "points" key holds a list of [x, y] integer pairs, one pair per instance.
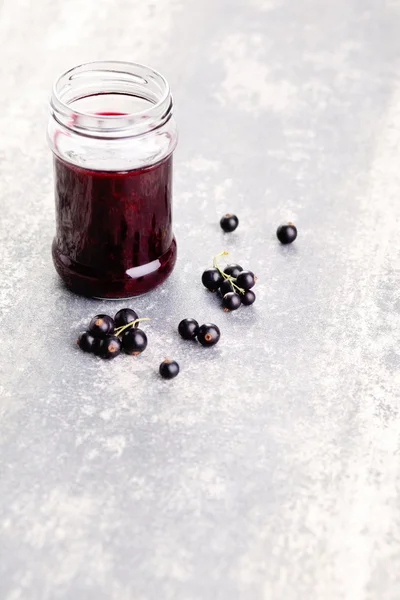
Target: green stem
{"points": [[118, 331], [224, 275], [216, 265], [241, 290]]}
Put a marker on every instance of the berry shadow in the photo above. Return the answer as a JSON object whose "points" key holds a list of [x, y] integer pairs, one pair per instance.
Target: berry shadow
{"points": [[287, 250]]}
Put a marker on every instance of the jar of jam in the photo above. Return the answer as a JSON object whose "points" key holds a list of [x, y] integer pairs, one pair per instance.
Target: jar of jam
{"points": [[112, 134]]}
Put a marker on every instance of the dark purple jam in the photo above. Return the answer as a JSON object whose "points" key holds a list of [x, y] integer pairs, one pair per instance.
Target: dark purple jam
{"points": [[114, 229]]}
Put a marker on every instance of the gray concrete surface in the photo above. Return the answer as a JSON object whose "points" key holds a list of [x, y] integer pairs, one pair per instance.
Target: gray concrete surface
{"points": [[269, 469]]}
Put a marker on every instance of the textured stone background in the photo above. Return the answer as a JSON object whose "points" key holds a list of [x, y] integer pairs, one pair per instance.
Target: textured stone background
{"points": [[269, 469]]}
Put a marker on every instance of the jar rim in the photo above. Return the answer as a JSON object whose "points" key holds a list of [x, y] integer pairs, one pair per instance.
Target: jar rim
{"points": [[116, 75]]}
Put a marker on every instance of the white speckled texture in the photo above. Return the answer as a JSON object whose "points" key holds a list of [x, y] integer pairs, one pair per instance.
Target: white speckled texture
{"points": [[269, 469]]}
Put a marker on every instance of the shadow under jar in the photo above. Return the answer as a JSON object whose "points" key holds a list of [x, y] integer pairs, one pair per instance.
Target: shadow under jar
{"points": [[113, 134]]}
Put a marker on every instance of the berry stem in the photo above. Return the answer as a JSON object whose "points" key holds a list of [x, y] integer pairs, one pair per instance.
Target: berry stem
{"points": [[241, 290], [216, 265], [224, 275], [223, 253], [118, 331]]}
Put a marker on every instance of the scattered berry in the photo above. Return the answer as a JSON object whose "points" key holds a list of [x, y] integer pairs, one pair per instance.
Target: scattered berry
{"points": [[101, 325], [226, 287], [229, 223], [248, 298], [208, 334], [134, 341], [111, 347], [125, 316], [246, 280], [286, 234], [212, 279], [85, 342], [233, 270], [169, 369], [188, 329], [231, 301]]}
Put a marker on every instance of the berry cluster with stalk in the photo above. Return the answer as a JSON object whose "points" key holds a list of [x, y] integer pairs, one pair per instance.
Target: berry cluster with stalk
{"points": [[233, 284], [107, 336]]}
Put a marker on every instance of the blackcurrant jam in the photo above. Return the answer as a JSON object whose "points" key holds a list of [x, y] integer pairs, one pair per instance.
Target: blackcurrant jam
{"points": [[113, 134]]}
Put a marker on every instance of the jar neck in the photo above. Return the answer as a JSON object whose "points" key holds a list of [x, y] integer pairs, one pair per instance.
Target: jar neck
{"points": [[111, 100]]}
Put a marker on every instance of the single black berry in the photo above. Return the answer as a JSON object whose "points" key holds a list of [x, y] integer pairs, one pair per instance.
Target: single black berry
{"points": [[246, 280], [134, 341], [226, 287], [101, 325], [111, 347], [287, 233], [169, 369], [85, 341], [248, 298], [188, 329], [231, 301], [208, 334], [212, 279], [233, 270], [229, 222], [99, 345], [125, 316]]}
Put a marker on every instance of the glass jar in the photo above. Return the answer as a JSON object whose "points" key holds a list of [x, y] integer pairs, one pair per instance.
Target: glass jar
{"points": [[112, 134]]}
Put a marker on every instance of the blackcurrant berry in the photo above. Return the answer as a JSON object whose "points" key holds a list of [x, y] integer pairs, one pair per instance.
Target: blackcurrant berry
{"points": [[248, 298], [111, 347], [99, 345], [246, 280], [212, 279], [208, 334], [134, 341], [101, 325], [169, 369], [188, 329], [226, 287], [229, 222], [85, 342], [125, 316], [231, 301], [287, 233], [233, 270]]}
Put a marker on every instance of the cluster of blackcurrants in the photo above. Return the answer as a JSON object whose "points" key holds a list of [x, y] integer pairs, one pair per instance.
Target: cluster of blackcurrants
{"points": [[106, 337], [233, 284], [207, 334]]}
